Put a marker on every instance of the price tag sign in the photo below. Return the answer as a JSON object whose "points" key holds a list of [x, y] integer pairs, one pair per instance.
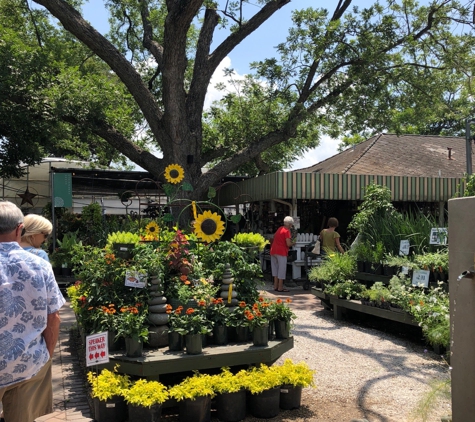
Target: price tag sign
{"points": [[420, 278], [405, 270], [438, 236], [404, 247], [97, 349], [135, 279]]}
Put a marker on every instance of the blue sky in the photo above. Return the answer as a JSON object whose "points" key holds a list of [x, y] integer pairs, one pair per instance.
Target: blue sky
{"points": [[258, 46]]}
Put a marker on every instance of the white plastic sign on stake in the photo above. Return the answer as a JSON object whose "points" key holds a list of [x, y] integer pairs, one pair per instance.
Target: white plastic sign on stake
{"points": [[438, 236], [97, 349], [404, 247], [420, 278], [135, 279]]}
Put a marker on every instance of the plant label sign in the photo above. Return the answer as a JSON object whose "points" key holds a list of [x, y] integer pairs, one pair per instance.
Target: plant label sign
{"points": [[97, 349], [420, 278], [135, 279], [404, 247], [438, 236]]}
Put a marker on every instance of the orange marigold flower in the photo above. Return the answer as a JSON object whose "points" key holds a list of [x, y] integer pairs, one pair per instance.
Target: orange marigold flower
{"points": [[258, 313], [288, 300], [249, 316], [111, 305], [242, 304], [187, 282], [265, 304], [278, 301], [90, 308], [202, 303], [261, 299], [169, 307], [189, 311], [178, 310], [255, 306], [183, 277], [219, 300], [123, 309]]}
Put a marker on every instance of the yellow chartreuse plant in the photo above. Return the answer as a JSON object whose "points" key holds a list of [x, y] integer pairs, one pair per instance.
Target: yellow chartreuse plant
{"points": [[192, 387], [108, 384], [146, 393], [296, 374], [227, 382], [259, 379]]}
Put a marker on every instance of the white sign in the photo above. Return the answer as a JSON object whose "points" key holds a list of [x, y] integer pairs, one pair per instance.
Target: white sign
{"points": [[405, 270], [296, 222], [135, 279], [438, 236], [404, 247], [420, 278], [97, 349]]}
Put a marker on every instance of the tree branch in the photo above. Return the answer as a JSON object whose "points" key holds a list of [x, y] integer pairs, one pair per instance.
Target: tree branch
{"points": [[148, 42]]}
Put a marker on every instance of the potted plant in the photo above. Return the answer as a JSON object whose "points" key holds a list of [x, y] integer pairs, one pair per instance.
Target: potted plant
{"points": [[230, 395], [349, 289], [253, 243], [176, 329], [195, 325], [131, 325], [282, 317], [263, 383], [107, 391], [63, 254], [218, 313], [257, 319], [145, 399], [122, 243], [294, 377], [238, 321], [194, 396]]}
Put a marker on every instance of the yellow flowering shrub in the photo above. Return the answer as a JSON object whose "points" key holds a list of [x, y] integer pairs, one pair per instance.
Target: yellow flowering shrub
{"points": [[108, 384], [146, 393], [191, 387], [227, 382], [296, 374], [259, 379]]}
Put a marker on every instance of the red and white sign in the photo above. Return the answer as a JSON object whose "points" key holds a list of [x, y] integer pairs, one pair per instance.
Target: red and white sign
{"points": [[97, 349]]}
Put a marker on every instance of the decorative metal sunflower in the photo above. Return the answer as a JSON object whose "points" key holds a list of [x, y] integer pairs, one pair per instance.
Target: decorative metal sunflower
{"points": [[152, 230], [209, 226], [174, 173]]}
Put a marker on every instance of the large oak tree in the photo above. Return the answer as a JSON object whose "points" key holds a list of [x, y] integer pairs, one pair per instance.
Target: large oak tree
{"points": [[340, 71]]}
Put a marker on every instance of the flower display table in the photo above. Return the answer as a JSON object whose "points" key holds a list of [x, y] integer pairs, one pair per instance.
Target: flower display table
{"points": [[154, 363]]}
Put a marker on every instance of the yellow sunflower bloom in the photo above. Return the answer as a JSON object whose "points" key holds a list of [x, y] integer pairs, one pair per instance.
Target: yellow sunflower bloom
{"points": [[209, 226], [152, 230], [174, 173]]}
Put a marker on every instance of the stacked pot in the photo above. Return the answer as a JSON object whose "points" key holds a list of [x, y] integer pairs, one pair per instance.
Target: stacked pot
{"points": [[157, 315], [227, 288]]}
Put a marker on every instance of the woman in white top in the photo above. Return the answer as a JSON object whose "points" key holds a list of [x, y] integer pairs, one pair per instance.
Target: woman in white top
{"points": [[37, 230]]}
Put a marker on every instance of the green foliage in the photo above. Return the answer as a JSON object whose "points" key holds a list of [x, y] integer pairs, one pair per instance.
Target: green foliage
{"points": [[378, 293], [337, 268], [197, 385], [250, 239], [122, 237], [349, 289], [435, 261]]}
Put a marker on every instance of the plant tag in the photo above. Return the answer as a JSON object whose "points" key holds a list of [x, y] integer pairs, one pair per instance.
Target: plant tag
{"points": [[404, 247], [110, 405], [438, 236], [135, 279], [284, 390], [230, 293], [420, 278], [405, 270]]}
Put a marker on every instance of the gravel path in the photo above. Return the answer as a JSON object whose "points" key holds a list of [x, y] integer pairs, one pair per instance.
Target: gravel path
{"points": [[362, 372]]}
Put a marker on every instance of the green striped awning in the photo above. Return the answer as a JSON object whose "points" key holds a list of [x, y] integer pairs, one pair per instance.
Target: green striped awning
{"points": [[294, 185]]}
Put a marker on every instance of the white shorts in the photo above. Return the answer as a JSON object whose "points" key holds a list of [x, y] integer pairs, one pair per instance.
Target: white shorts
{"points": [[278, 265]]}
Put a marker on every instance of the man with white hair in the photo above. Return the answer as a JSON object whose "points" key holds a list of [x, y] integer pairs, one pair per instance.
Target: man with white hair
{"points": [[30, 300], [279, 250]]}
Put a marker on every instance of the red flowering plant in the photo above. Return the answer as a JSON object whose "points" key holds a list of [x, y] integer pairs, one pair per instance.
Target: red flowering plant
{"points": [[280, 310], [131, 322], [175, 320], [258, 314], [194, 320], [218, 312]]}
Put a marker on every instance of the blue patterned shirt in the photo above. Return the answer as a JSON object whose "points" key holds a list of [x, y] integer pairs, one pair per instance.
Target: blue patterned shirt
{"points": [[28, 293]]}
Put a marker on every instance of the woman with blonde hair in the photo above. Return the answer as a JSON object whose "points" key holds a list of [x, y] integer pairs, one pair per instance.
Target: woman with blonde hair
{"points": [[37, 230]]}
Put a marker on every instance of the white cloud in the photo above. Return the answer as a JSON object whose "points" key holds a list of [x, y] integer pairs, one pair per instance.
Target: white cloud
{"points": [[327, 148]]}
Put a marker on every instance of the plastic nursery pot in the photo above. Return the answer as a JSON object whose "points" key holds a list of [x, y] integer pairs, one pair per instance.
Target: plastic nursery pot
{"points": [[220, 335], [290, 397], [198, 410], [260, 336], [145, 414], [264, 405], [176, 342], [231, 407], [133, 347], [111, 410], [282, 329], [193, 344]]}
